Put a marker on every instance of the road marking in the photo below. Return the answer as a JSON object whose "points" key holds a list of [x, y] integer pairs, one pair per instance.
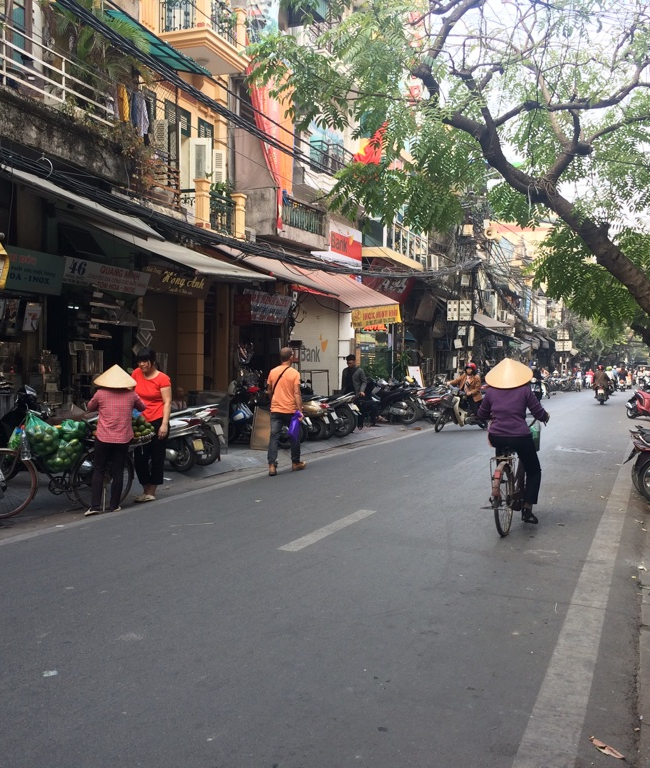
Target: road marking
{"points": [[552, 736], [321, 533]]}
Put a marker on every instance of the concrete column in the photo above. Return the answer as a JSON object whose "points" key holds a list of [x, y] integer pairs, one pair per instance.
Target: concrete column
{"points": [[242, 36], [202, 203], [202, 13], [223, 368], [240, 214], [189, 343]]}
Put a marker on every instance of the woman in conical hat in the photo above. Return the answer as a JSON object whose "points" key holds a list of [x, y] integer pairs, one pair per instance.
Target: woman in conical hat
{"points": [[506, 402], [115, 400]]}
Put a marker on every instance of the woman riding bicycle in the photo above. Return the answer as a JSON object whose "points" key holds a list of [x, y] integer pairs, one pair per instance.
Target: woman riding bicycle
{"points": [[505, 403]]}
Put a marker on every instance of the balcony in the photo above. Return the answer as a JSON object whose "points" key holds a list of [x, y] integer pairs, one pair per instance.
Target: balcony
{"points": [[328, 154], [208, 31], [396, 244], [303, 216], [222, 210]]}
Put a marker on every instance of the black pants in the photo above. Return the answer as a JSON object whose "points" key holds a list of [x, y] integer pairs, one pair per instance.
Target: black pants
{"points": [[369, 410], [525, 449], [149, 459], [108, 456]]}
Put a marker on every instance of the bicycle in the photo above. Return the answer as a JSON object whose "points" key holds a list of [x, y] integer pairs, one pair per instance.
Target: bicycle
{"points": [[507, 493], [19, 479]]}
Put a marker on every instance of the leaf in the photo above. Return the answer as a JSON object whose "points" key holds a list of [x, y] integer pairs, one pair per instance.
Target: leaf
{"points": [[605, 748]]}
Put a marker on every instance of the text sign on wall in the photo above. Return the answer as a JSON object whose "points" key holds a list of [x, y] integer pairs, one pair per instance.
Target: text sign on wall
{"points": [[104, 277], [260, 307], [177, 283], [33, 271]]}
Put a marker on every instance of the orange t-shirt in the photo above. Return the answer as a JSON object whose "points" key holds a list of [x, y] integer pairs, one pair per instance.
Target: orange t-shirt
{"points": [[283, 398], [148, 391]]}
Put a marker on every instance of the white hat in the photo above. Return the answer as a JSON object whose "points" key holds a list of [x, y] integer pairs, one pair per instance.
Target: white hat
{"points": [[508, 374], [115, 378]]}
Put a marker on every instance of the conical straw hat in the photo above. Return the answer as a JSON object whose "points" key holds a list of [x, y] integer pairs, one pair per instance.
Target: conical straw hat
{"points": [[508, 374], [115, 378]]}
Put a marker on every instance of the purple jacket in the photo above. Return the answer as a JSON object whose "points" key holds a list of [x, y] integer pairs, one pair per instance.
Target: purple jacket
{"points": [[507, 409]]}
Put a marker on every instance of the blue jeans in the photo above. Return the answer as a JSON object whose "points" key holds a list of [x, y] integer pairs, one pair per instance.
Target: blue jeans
{"points": [[278, 420]]}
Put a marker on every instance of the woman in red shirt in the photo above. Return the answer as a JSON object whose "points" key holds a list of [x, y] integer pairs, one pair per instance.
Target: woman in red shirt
{"points": [[115, 401], [155, 389]]}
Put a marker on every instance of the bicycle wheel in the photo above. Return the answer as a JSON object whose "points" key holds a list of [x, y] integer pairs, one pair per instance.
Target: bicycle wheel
{"points": [[81, 478], [502, 491], [18, 483]]}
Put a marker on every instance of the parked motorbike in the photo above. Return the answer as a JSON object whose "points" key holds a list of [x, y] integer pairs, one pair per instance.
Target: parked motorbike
{"points": [[347, 413], [211, 430], [638, 405], [185, 443], [398, 401], [323, 419], [26, 400], [455, 409], [641, 467], [243, 399], [432, 398]]}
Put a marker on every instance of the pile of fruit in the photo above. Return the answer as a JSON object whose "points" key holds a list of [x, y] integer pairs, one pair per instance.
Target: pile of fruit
{"points": [[143, 431], [58, 447]]}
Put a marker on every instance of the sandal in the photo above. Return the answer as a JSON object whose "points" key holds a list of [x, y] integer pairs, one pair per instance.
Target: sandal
{"points": [[528, 516]]}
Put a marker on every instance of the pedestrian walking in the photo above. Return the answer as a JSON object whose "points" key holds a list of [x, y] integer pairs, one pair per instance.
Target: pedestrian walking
{"points": [[155, 389], [115, 401], [283, 387]]}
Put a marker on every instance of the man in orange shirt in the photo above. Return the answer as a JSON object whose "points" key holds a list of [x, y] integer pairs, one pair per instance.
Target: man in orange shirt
{"points": [[283, 386]]}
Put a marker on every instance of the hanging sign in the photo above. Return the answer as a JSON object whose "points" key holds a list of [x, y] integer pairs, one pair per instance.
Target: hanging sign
{"points": [[260, 307], [104, 277], [176, 282], [389, 313]]}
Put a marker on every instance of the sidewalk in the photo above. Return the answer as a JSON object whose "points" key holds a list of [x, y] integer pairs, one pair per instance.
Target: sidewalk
{"points": [[47, 510]]}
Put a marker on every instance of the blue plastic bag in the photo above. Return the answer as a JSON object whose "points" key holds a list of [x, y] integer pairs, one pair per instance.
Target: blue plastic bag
{"points": [[294, 428]]}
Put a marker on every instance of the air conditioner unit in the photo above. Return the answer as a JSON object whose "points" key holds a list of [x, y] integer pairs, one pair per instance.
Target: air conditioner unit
{"points": [[250, 235]]}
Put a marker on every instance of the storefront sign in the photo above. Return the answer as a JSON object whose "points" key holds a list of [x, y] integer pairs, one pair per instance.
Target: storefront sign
{"points": [[4, 269], [345, 246], [104, 277], [177, 283], [396, 289], [259, 307], [389, 313], [34, 272]]}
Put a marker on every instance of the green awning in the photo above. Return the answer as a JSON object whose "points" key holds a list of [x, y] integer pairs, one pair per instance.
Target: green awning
{"points": [[159, 49]]}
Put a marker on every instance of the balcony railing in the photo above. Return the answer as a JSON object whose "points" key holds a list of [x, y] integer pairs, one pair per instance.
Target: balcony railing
{"points": [[34, 69], [407, 243], [222, 214], [183, 14], [330, 155], [302, 216]]}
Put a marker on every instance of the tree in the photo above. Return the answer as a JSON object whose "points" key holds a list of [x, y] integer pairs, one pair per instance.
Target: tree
{"points": [[551, 97]]}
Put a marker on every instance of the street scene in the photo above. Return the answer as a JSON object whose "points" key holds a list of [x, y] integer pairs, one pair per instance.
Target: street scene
{"points": [[362, 611], [324, 383]]}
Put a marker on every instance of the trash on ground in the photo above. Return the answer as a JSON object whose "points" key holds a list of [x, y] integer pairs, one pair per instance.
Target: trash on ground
{"points": [[605, 748]]}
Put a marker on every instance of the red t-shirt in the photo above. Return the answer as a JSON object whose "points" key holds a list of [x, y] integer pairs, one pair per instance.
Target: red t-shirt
{"points": [[149, 392]]}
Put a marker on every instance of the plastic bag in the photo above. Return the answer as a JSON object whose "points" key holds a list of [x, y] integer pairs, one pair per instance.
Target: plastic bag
{"points": [[43, 438], [72, 430], [14, 440], [535, 431], [294, 428]]}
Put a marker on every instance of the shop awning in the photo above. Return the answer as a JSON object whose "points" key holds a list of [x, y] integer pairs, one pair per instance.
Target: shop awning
{"points": [[197, 262], [490, 323], [368, 307], [88, 209], [286, 272], [159, 49]]}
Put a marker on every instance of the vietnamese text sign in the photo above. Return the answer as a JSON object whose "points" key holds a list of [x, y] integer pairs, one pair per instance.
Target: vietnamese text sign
{"points": [[389, 313], [33, 271], [260, 307], [104, 277], [177, 283]]}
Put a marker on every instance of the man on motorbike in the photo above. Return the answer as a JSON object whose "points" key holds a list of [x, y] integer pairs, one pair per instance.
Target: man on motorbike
{"points": [[601, 379], [470, 382]]}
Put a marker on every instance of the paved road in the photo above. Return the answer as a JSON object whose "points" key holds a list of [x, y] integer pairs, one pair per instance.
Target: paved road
{"points": [[363, 612]]}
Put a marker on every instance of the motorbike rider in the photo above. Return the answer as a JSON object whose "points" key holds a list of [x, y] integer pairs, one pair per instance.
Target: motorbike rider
{"points": [[506, 401], [601, 379], [470, 382]]}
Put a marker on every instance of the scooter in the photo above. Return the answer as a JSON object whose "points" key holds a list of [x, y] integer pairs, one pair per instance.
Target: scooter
{"points": [[452, 410], [397, 401], [26, 400], [602, 395], [185, 443], [641, 467], [211, 429], [638, 405]]}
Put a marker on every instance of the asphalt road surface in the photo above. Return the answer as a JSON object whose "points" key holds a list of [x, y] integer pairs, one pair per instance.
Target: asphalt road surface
{"points": [[363, 612]]}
